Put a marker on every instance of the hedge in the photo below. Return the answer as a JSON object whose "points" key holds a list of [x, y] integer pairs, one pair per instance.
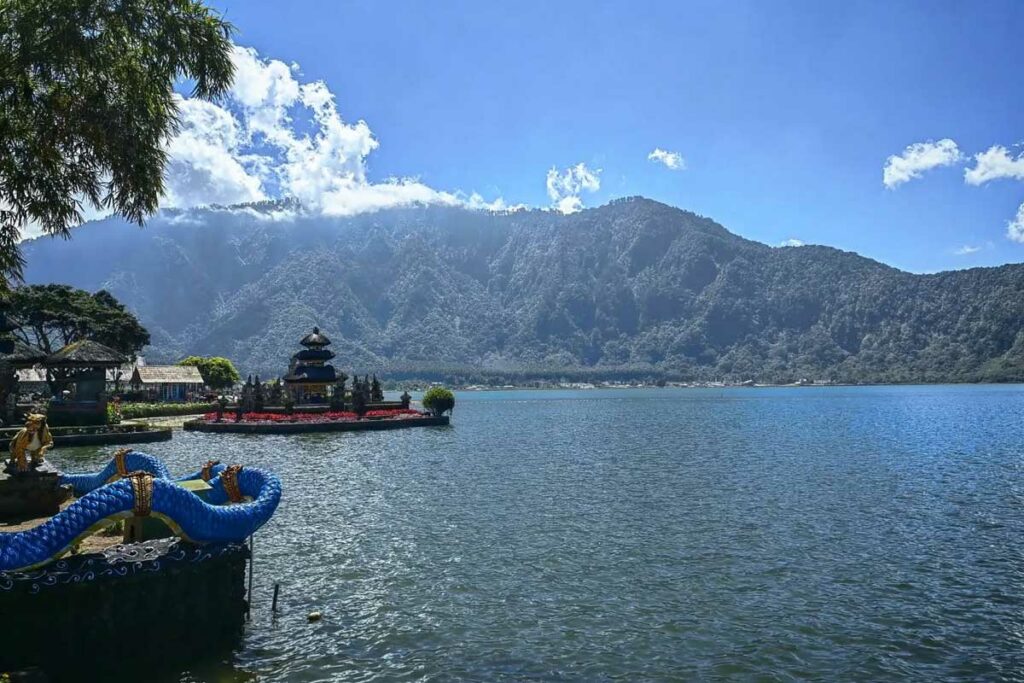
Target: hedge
{"points": [[134, 411]]}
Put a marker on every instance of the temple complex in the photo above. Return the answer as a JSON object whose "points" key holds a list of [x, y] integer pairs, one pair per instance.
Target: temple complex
{"points": [[310, 373]]}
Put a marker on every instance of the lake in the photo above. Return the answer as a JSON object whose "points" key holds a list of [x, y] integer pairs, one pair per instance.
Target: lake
{"points": [[840, 533]]}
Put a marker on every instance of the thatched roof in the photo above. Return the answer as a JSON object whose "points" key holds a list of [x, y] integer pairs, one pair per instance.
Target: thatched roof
{"points": [[85, 354], [167, 374], [20, 354]]}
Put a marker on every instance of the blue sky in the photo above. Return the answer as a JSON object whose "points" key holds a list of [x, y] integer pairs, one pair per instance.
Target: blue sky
{"points": [[784, 113]]}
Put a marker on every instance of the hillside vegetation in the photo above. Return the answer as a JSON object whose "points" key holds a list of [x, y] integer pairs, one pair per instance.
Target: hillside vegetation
{"points": [[633, 288]]}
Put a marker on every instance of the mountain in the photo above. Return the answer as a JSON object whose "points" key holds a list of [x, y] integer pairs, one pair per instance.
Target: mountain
{"points": [[633, 288]]}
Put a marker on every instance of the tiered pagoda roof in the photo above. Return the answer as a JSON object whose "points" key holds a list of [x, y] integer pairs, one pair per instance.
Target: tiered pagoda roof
{"points": [[310, 366]]}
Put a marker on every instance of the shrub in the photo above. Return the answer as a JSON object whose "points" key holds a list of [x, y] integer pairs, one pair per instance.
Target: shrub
{"points": [[217, 372], [439, 400], [131, 411]]}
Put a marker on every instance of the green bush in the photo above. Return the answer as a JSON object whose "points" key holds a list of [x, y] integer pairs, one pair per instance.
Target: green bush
{"points": [[217, 372], [134, 411], [113, 414], [439, 400]]}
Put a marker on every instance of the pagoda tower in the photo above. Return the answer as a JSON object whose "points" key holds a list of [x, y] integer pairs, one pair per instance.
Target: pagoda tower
{"points": [[310, 373]]}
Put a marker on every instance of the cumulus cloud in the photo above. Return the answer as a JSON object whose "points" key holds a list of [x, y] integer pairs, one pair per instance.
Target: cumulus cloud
{"points": [[993, 164], [672, 160], [918, 158], [791, 242], [1015, 227], [564, 189], [274, 136]]}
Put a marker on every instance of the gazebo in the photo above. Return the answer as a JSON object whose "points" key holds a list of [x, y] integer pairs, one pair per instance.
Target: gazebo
{"points": [[82, 366]]}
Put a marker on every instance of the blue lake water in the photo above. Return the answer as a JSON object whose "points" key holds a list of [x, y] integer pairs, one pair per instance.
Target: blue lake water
{"points": [[869, 533]]}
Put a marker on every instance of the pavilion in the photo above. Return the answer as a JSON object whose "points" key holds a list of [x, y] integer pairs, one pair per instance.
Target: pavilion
{"points": [[81, 367], [310, 373], [15, 355]]}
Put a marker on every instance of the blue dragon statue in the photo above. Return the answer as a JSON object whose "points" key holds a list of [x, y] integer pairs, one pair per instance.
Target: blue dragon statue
{"points": [[239, 502]]}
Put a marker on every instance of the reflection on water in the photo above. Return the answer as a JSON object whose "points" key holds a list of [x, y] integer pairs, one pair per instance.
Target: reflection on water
{"points": [[831, 533]]}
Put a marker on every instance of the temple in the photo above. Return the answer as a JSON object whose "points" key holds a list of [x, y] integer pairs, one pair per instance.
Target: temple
{"points": [[310, 374]]}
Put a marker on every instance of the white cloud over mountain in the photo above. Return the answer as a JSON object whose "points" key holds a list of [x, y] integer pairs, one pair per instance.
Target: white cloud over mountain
{"points": [[251, 146], [672, 160], [1015, 227], [997, 163], [993, 164], [565, 188], [918, 158]]}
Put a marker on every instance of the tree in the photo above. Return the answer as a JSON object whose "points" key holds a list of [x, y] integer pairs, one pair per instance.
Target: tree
{"points": [[87, 104], [52, 316], [438, 400], [217, 372]]}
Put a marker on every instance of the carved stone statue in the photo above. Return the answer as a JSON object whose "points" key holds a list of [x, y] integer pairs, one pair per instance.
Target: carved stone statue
{"points": [[275, 392], [258, 395], [248, 399], [338, 392], [406, 399], [358, 399], [32, 441]]}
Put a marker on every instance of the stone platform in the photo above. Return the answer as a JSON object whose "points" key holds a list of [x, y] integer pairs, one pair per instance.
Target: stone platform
{"points": [[126, 613], [369, 424], [26, 495]]}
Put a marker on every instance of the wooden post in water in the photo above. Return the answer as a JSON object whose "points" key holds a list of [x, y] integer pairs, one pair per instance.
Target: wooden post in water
{"points": [[248, 602]]}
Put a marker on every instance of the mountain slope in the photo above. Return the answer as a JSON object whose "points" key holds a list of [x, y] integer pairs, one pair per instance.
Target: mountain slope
{"points": [[632, 286]]}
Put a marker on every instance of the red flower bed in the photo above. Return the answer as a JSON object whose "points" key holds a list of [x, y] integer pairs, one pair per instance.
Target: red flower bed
{"points": [[330, 416]]}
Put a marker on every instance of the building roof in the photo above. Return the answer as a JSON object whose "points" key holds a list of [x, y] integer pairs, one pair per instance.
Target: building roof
{"points": [[315, 339], [18, 353], [311, 374], [167, 374], [85, 354], [314, 354]]}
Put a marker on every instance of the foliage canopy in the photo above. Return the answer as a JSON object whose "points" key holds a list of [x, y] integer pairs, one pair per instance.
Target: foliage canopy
{"points": [[438, 400], [87, 104], [53, 316], [217, 372]]}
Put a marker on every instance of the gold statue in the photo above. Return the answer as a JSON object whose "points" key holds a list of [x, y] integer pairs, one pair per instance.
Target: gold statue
{"points": [[33, 440]]}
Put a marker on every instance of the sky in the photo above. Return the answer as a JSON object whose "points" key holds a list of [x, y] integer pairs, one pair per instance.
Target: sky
{"points": [[891, 129]]}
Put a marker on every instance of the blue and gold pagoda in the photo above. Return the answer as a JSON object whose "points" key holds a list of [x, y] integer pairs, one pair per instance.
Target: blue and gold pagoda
{"points": [[310, 373]]}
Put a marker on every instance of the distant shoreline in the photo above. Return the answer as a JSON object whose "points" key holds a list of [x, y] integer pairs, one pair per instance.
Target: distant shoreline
{"points": [[605, 387]]}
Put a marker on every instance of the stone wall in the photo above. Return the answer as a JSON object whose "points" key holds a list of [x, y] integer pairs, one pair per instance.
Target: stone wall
{"points": [[124, 614]]}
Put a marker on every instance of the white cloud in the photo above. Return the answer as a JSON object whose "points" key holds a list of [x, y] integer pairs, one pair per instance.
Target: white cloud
{"points": [[993, 164], [274, 136], [205, 164], [966, 249], [564, 189], [672, 160], [791, 242], [1015, 227], [918, 158]]}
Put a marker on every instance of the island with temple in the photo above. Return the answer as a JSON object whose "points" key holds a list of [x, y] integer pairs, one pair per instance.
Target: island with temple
{"points": [[313, 396]]}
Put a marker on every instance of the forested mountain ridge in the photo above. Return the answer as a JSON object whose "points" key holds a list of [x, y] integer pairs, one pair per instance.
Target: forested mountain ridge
{"points": [[631, 287]]}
